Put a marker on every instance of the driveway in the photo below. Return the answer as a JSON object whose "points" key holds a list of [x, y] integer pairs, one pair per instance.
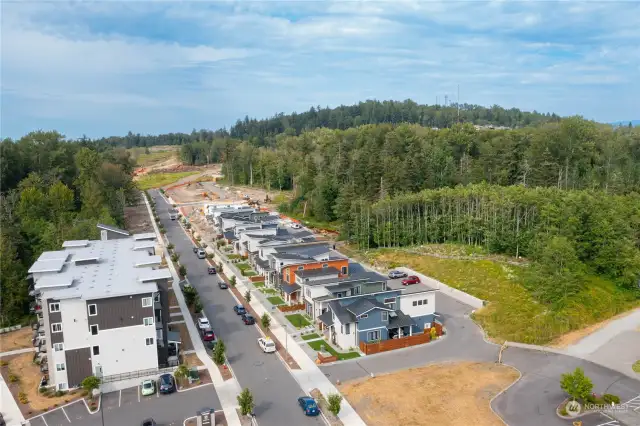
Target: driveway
{"points": [[464, 342], [274, 389], [127, 407], [533, 399]]}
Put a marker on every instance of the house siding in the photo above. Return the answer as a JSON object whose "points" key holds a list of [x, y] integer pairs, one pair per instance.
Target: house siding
{"points": [[291, 276], [420, 322], [117, 312], [363, 336], [163, 351], [78, 366], [53, 317]]}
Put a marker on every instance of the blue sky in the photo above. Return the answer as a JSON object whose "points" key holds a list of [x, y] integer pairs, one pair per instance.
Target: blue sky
{"points": [[104, 68]]}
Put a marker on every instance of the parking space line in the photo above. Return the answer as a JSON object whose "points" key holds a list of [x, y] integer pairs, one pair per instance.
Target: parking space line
{"points": [[120, 398], [65, 414], [44, 420]]}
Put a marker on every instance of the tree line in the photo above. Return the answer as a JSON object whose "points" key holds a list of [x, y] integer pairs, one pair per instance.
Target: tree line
{"points": [[263, 132], [54, 190]]}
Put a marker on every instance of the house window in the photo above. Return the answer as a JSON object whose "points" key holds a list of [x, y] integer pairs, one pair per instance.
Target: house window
{"points": [[146, 302], [94, 329], [338, 294], [347, 328], [93, 310], [419, 302], [148, 321], [373, 335], [385, 316], [58, 347], [333, 315], [415, 303], [96, 350], [363, 316], [342, 329], [56, 328], [60, 367], [156, 297], [424, 302], [325, 265], [389, 300], [300, 268], [148, 341], [62, 386], [344, 270], [384, 286], [54, 307], [358, 290]]}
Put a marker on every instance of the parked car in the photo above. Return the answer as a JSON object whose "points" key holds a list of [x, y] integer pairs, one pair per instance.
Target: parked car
{"points": [[308, 405], [222, 285], [267, 345], [211, 270], [148, 388], [201, 254], [167, 383], [239, 309], [248, 319], [203, 323], [149, 422], [397, 274], [295, 225], [195, 249], [208, 335], [411, 279]]}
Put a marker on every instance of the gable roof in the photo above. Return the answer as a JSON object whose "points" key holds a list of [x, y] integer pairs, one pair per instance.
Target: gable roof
{"points": [[319, 272], [112, 229], [343, 315], [400, 320], [364, 305]]}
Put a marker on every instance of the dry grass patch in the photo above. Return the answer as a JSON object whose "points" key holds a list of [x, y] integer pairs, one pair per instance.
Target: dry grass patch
{"points": [[185, 338], [575, 336], [452, 394], [192, 360], [19, 339]]}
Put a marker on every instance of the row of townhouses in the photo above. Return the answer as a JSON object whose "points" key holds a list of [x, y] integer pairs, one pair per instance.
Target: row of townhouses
{"points": [[102, 308], [347, 303]]}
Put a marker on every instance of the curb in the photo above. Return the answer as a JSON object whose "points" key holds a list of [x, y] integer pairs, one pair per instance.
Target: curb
{"points": [[504, 391]]}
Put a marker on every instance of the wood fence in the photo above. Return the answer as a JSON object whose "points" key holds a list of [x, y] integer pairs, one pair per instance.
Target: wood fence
{"points": [[402, 342], [291, 308]]}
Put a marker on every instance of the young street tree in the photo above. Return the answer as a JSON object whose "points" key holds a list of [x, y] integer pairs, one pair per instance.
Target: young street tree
{"points": [[90, 383], [218, 353], [266, 321], [576, 384], [247, 296], [181, 372], [245, 401], [334, 400]]}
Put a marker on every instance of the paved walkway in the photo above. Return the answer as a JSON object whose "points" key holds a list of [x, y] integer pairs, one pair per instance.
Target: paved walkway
{"points": [[10, 409], [17, 352], [227, 390], [601, 337]]}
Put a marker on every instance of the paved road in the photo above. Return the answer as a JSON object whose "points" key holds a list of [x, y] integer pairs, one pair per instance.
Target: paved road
{"points": [[274, 389], [463, 342], [127, 408], [533, 399]]}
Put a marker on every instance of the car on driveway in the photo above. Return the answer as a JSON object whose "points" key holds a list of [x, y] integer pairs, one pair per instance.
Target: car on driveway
{"points": [[203, 323], [223, 285], [201, 254], [267, 345], [248, 319], [149, 422], [208, 335], [148, 388], [411, 279], [167, 383], [308, 405], [397, 274], [239, 309]]}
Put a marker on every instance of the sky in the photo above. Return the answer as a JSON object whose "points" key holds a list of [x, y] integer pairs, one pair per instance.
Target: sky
{"points": [[103, 68]]}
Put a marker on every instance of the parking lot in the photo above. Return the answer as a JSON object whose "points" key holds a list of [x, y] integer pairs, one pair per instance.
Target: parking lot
{"points": [[128, 407]]}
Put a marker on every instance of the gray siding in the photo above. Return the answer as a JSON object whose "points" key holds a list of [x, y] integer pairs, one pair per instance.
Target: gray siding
{"points": [[78, 365], [117, 312], [54, 317], [163, 287]]}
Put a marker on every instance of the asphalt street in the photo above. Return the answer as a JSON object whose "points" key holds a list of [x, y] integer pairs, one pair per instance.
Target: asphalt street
{"points": [[130, 409], [274, 389]]}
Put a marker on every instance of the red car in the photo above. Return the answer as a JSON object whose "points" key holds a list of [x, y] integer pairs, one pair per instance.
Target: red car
{"points": [[411, 279], [208, 336]]}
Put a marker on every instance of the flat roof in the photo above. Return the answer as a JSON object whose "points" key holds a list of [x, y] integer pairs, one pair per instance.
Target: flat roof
{"points": [[144, 236], [42, 266], [54, 255], [318, 272], [144, 245], [76, 243], [113, 273]]}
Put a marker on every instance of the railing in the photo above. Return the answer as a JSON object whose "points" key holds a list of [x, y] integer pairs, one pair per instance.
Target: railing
{"points": [[137, 374]]}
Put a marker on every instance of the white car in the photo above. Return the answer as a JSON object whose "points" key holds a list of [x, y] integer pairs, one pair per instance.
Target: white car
{"points": [[296, 225], [203, 323], [267, 345]]}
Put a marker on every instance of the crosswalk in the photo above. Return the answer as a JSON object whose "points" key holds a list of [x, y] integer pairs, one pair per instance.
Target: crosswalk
{"points": [[611, 423], [634, 403]]}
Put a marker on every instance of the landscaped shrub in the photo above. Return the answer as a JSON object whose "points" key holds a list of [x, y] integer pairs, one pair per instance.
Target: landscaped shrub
{"points": [[175, 257], [23, 398], [170, 246], [611, 399], [13, 378], [334, 400], [182, 271], [59, 393]]}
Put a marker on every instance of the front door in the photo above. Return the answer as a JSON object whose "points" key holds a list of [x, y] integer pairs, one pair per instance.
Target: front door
{"points": [[333, 335]]}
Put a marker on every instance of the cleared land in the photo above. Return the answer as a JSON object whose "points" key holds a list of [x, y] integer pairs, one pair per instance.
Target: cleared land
{"points": [[19, 339], [157, 180], [513, 313], [446, 394]]}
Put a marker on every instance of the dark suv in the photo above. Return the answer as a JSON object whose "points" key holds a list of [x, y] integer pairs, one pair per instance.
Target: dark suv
{"points": [[167, 383]]}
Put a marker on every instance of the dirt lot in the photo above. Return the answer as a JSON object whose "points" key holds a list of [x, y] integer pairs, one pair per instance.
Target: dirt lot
{"points": [[452, 394], [192, 360], [137, 218], [19, 339], [29, 376]]}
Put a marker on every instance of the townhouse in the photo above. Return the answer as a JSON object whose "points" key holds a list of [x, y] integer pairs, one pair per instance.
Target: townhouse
{"points": [[103, 308]]}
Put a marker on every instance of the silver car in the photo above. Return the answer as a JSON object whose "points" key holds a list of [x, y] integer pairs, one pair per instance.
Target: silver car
{"points": [[397, 274], [201, 254]]}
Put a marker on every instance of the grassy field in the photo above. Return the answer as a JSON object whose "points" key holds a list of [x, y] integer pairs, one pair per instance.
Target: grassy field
{"points": [[157, 180], [275, 300], [268, 291], [317, 345], [512, 313], [258, 284], [298, 321], [310, 336], [153, 157]]}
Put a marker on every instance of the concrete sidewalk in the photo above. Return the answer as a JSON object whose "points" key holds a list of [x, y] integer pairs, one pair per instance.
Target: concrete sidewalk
{"points": [[601, 337], [10, 409], [227, 390], [17, 352]]}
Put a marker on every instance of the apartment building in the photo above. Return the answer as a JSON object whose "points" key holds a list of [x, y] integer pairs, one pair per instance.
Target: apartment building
{"points": [[103, 306]]}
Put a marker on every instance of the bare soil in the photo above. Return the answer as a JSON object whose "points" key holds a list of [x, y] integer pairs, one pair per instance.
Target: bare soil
{"points": [[185, 338], [29, 377], [324, 407], [451, 394], [225, 372], [192, 360], [137, 219], [172, 299], [204, 379], [19, 339]]}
